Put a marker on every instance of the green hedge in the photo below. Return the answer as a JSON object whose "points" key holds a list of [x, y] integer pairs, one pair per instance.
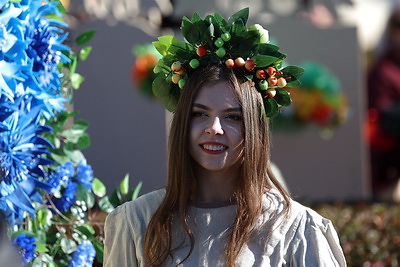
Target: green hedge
{"points": [[369, 232]]}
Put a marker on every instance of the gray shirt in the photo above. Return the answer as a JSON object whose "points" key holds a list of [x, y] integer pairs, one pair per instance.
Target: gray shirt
{"points": [[303, 238]]}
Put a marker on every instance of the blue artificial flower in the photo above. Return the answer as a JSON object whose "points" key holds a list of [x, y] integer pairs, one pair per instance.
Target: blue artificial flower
{"points": [[27, 245], [30, 51], [68, 197], [61, 175], [84, 175], [21, 155], [83, 256]]}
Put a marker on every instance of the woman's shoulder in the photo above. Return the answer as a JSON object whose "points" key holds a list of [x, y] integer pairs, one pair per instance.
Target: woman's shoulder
{"points": [[143, 207]]}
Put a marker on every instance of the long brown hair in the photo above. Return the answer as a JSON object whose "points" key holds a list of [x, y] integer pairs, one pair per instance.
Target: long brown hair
{"points": [[256, 176]]}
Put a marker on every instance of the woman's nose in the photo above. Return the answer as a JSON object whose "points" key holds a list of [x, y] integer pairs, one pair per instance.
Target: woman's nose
{"points": [[214, 127]]}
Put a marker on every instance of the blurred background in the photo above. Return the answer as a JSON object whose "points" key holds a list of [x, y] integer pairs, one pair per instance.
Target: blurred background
{"points": [[319, 158]]}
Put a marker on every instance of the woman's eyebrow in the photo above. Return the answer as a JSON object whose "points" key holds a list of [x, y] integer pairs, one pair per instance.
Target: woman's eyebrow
{"points": [[201, 106]]}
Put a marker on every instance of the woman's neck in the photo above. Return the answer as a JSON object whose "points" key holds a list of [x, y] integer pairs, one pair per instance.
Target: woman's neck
{"points": [[216, 187]]}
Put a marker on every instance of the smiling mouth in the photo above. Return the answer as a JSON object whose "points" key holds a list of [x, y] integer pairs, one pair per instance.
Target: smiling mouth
{"points": [[214, 148]]}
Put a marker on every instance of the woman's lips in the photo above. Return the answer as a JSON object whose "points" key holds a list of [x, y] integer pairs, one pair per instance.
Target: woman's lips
{"points": [[213, 147]]}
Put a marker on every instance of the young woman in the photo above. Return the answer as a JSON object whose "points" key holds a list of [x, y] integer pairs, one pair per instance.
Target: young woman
{"points": [[222, 205]]}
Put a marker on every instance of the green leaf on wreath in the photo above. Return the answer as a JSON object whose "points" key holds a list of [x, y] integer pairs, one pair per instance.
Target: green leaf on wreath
{"points": [[292, 75], [124, 185], [182, 49], [264, 61], [160, 87], [241, 15], [85, 37], [190, 31], [98, 188], [163, 44], [196, 18], [238, 27], [293, 71], [282, 97], [271, 107], [68, 245], [221, 22], [267, 48]]}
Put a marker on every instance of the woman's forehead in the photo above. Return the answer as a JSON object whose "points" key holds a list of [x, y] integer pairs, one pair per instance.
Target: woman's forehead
{"points": [[219, 93]]}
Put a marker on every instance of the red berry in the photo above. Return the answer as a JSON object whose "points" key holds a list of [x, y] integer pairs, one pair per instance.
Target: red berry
{"points": [[175, 78], [239, 62], [201, 51], [272, 81], [281, 82], [271, 92], [230, 63], [176, 66], [271, 71], [181, 71], [249, 65], [260, 74]]}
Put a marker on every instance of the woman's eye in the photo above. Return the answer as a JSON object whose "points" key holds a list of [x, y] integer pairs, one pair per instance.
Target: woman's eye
{"points": [[235, 117], [198, 114]]}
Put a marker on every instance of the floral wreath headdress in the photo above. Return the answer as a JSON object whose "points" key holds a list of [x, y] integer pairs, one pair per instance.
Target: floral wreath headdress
{"points": [[216, 40]]}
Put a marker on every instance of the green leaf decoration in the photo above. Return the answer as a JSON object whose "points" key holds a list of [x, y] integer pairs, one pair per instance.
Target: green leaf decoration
{"points": [[221, 22], [190, 31], [196, 17], [76, 80], [163, 44], [105, 204], [160, 87], [80, 125], [136, 191], [238, 27], [241, 15], [271, 107], [98, 188], [68, 245], [86, 196], [40, 247], [124, 185], [116, 198], [182, 49], [292, 75], [85, 52], [267, 48], [264, 61], [99, 250], [85, 37], [83, 141], [282, 97], [293, 71], [86, 229]]}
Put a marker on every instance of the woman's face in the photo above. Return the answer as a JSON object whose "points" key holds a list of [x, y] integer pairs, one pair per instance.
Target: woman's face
{"points": [[216, 134]]}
